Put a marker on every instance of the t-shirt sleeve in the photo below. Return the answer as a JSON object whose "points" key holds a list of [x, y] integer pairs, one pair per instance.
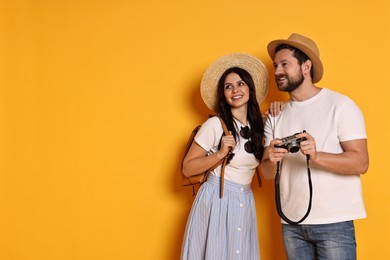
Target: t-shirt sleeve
{"points": [[350, 123], [268, 134], [209, 135]]}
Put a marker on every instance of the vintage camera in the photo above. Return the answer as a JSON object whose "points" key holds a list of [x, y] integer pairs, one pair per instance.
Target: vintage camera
{"points": [[291, 143]]}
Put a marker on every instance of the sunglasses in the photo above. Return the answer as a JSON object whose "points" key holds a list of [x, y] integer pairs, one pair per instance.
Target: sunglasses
{"points": [[245, 133], [249, 147]]}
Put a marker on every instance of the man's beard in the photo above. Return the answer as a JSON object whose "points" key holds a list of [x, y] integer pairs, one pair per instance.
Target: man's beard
{"points": [[292, 83]]}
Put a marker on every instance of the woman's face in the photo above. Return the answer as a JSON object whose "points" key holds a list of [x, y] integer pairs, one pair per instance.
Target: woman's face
{"points": [[236, 91]]}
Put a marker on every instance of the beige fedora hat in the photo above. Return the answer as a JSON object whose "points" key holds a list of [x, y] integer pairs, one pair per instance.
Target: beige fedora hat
{"points": [[307, 46], [209, 83]]}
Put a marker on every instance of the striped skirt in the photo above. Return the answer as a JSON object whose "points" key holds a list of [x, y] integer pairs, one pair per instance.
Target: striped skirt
{"points": [[222, 229]]}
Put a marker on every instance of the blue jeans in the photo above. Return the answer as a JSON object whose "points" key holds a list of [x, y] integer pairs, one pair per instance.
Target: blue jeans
{"points": [[334, 241]]}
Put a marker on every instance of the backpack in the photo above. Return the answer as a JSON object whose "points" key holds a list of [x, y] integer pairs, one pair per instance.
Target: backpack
{"points": [[197, 180]]}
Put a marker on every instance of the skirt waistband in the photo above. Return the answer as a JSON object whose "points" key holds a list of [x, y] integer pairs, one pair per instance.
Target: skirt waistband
{"points": [[229, 185]]}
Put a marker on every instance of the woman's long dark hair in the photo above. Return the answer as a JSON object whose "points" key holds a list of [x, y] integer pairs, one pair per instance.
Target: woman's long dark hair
{"points": [[253, 114]]}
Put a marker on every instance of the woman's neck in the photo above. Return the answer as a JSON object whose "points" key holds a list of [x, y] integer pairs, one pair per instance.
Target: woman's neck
{"points": [[240, 115]]}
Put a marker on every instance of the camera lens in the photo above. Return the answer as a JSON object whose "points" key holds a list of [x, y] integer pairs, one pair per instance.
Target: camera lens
{"points": [[293, 147]]}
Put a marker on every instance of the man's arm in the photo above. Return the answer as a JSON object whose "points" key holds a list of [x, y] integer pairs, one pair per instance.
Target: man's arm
{"points": [[354, 159], [271, 157], [267, 167]]}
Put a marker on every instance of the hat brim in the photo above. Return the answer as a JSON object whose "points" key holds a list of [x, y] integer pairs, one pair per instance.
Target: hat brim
{"points": [[209, 83], [318, 69]]}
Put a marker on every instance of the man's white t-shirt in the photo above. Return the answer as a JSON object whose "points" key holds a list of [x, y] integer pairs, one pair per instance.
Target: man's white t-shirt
{"points": [[330, 118]]}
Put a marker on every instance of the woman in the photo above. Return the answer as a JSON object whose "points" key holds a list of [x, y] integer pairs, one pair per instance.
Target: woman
{"points": [[226, 228]]}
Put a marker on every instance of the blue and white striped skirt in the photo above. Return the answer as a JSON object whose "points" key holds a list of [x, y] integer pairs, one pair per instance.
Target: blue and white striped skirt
{"points": [[222, 229]]}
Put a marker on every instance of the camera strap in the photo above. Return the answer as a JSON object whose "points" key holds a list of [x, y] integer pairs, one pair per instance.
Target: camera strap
{"points": [[277, 194]]}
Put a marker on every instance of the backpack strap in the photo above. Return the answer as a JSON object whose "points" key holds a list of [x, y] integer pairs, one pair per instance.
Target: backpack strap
{"points": [[223, 160], [259, 177]]}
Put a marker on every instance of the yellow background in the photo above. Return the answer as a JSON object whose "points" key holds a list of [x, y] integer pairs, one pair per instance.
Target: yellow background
{"points": [[97, 99]]}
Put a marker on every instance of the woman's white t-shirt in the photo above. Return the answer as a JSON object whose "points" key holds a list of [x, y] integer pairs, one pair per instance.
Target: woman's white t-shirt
{"points": [[243, 164]]}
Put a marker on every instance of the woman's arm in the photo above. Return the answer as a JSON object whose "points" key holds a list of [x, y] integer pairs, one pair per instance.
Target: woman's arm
{"points": [[275, 108], [197, 161]]}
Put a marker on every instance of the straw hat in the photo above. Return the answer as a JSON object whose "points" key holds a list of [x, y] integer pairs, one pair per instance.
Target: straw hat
{"points": [[209, 83], [307, 46]]}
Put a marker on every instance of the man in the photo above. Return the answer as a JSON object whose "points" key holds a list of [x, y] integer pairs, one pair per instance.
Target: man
{"points": [[335, 142]]}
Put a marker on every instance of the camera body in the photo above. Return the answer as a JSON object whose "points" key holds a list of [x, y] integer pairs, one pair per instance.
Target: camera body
{"points": [[291, 143]]}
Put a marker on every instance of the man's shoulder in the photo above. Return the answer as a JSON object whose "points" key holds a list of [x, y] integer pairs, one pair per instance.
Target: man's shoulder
{"points": [[334, 95]]}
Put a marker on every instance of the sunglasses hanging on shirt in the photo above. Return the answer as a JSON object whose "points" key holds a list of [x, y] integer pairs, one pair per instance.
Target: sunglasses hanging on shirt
{"points": [[245, 133], [249, 147]]}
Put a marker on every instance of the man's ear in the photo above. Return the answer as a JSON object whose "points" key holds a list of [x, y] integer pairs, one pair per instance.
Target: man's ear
{"points": [[306, 67]]}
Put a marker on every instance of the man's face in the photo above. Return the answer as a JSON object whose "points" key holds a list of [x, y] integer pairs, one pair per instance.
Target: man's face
{"points": [[288, 73]]}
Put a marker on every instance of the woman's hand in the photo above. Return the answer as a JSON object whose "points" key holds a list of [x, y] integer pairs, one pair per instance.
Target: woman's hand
{"points": [[227, 143], [275, 108]]}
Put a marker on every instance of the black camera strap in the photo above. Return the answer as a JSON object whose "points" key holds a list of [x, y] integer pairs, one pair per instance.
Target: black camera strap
{"points": [[277, 194]]}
